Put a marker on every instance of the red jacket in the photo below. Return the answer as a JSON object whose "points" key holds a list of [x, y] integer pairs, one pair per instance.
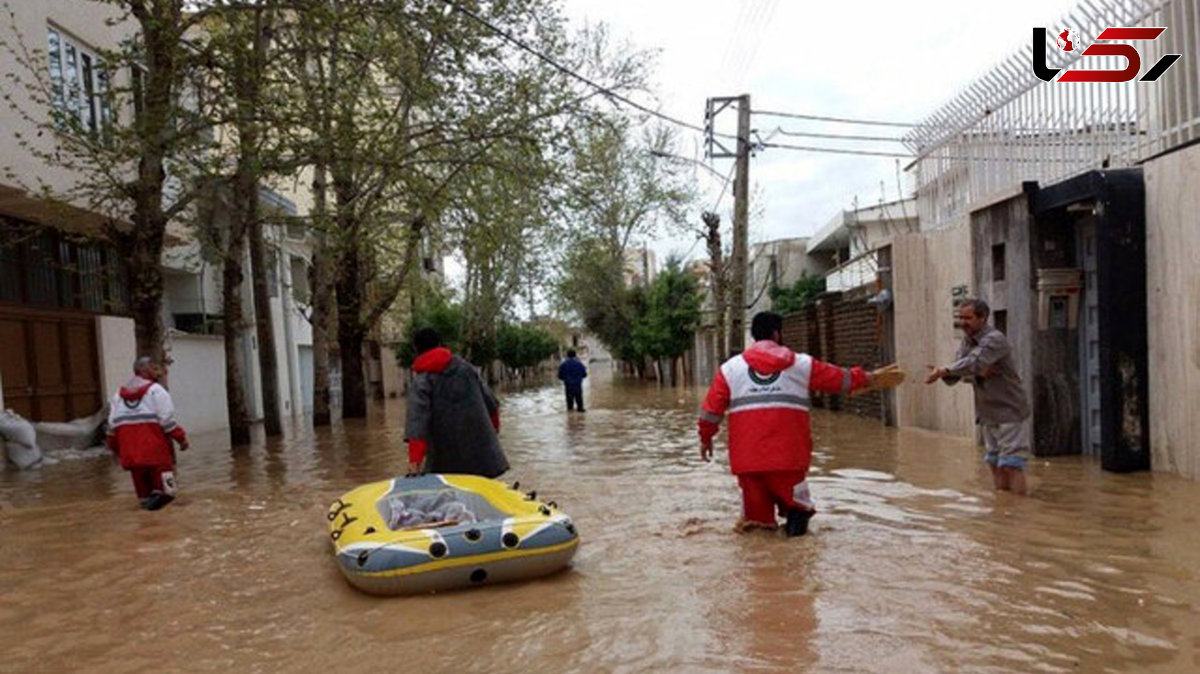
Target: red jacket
{"points": [[141, 425], [766, 392]]}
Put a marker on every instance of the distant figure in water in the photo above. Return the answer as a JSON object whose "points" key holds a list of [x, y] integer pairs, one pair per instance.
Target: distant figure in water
{"points": [[141, 428], [572, 373], [766, 392]]}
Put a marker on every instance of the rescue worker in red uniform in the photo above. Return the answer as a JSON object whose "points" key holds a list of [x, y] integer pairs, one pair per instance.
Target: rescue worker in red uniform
{"points": [[765, 391], [141, 428]]}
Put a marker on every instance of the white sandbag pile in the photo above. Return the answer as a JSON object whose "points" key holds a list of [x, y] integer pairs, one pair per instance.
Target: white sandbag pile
{"points": [[78, 434], [20, 440]]}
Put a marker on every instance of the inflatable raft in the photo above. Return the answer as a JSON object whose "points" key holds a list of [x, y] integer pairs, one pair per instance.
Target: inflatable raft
{"points": [[435, 532]]}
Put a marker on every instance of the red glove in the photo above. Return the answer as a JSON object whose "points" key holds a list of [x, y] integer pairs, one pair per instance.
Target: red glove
{"points": [[496, 420], [416, 450]]}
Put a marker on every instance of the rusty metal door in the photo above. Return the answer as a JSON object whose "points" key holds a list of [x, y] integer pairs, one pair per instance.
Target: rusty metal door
{"points": [[49, 364]]}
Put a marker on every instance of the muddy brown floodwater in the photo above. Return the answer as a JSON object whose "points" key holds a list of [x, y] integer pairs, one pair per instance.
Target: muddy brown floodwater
{"points": [[912, 565]]}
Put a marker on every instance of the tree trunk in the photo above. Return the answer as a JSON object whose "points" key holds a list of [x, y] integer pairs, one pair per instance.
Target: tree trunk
{"points": [[231, 296], [322, 319], [322, 301], [268, 364], [146, 286], [354, 384], [351, 331], [248, 84], [158, 22], [717, 278]]}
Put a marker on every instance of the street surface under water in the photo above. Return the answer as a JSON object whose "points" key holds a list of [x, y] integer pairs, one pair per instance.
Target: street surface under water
{"points": [[913, 563]]}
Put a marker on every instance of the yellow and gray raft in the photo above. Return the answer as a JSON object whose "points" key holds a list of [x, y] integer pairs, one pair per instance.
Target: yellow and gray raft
{"points": [[411, 535]]}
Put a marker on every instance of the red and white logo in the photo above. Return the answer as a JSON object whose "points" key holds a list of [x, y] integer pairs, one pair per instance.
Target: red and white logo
{"points": [[1066, 40]]}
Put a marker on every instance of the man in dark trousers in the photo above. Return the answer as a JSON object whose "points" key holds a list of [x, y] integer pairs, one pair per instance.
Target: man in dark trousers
{"points": [[572, 373], [452, 416]]}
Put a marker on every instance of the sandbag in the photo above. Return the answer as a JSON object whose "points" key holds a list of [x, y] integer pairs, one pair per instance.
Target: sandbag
{"points": [[20, 440], [22, 456], [78, 433], [15, 428]]}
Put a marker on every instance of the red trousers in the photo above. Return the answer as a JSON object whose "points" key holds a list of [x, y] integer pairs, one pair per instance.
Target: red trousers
{"points": [[763, 493], [149, 479]]}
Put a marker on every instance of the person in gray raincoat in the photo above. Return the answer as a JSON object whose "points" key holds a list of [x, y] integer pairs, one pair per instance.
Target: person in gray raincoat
{"points": [[453, 418]]}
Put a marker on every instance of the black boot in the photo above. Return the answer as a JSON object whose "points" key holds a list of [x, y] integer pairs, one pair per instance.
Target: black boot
{"points": [[157, 500], [797, 522]]}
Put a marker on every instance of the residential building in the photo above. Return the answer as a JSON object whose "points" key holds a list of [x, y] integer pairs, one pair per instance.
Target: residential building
{"points": [[1078, 230], [64, 299], [640, 266]]}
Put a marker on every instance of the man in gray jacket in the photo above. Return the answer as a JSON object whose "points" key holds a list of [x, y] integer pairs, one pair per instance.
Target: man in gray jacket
{"points": [[452, 416], [1001, 405]]}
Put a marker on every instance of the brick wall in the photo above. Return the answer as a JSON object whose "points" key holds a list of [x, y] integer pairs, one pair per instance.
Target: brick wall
{"points": [[842, 329]]}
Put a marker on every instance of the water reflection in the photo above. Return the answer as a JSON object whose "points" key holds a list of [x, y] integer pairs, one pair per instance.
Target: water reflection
{"points": [[914, 564]]}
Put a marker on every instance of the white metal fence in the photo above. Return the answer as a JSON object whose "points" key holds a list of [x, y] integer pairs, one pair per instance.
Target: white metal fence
{"points": [[1008, 126]]}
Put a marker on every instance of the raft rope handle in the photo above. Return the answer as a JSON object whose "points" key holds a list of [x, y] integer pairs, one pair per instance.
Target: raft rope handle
{"points": [[341, 505]]}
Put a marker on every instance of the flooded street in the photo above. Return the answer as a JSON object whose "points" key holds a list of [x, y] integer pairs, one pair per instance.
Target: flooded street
{"points": [[913, 563]]}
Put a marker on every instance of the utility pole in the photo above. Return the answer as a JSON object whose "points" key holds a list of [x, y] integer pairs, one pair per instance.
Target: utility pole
{"points": [[741, 213], [741, 208]]}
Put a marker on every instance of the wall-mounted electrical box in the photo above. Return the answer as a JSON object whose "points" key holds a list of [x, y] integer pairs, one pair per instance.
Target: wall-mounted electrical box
{"points": [[1058, 298]]}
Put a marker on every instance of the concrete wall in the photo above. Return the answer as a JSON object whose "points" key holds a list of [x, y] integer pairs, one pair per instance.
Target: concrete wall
{"points": [[197, 381], [1173, 298], [1009, 290], [926, 269], [118, 348]]}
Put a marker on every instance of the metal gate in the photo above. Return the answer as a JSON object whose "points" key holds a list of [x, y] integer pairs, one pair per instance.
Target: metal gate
{"points": [[49, 364], [1089, 339]]}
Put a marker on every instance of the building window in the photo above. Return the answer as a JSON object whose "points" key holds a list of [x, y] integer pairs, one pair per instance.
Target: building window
{"points": [[1000, 320], [998, 262], [79, 84], [300, 288], [43, 267]]}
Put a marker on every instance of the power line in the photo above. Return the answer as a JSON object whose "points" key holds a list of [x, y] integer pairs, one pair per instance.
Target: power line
{"points": [[807, 148], [836, 136], [820, 118], [567, 71], [724, 189]]}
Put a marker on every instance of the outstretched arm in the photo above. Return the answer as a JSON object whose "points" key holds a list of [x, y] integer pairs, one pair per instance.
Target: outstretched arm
{"points": [[828, 378]]}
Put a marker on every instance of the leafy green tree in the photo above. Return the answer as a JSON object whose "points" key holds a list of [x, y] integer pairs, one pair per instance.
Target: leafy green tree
{"points": [[621, 192], [406, 97], [666, 328], [436, 313], [521, 347], [794, 298]]}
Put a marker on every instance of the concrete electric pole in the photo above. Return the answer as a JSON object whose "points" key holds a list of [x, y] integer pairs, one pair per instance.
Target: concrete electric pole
{"points": [[741, 209]]}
